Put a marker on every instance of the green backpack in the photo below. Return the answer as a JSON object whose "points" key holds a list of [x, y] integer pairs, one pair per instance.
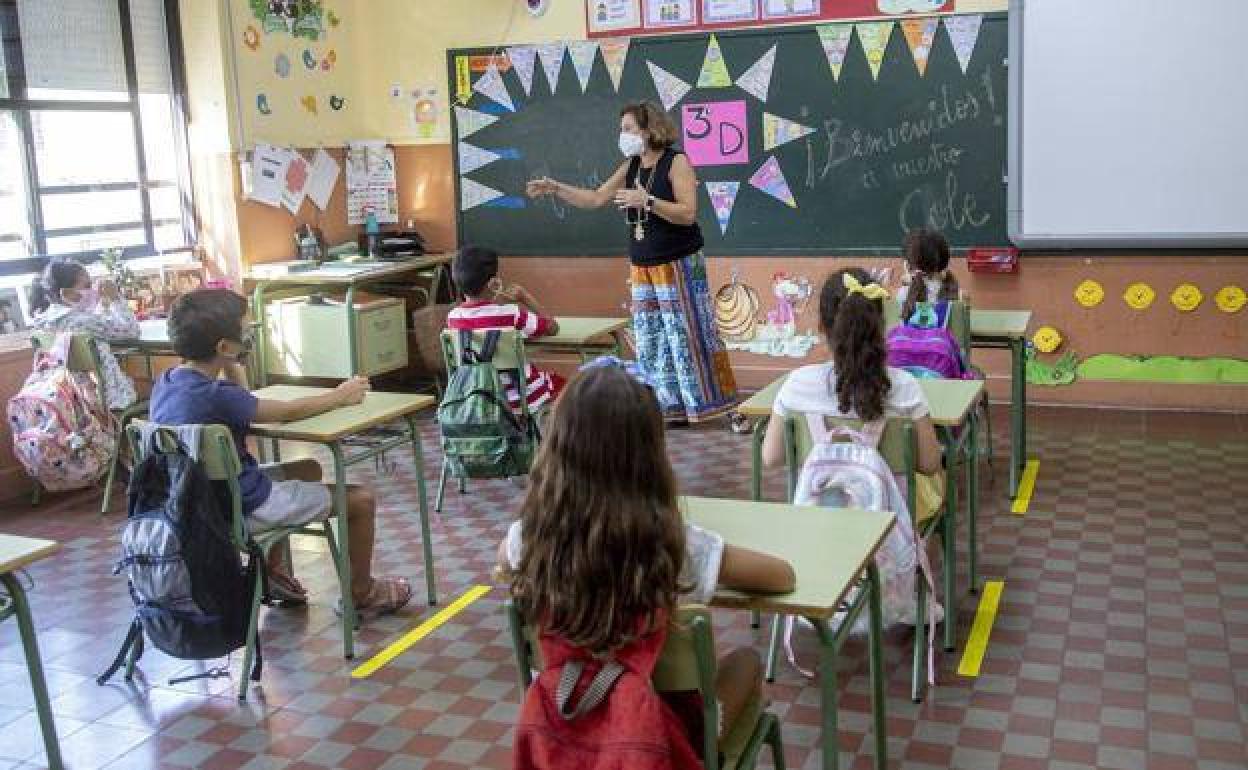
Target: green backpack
{"points": [[481, 437]]}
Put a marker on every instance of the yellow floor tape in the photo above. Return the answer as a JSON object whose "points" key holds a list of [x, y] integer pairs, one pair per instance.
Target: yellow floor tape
{"points": [[1026, 486], [977, 642], [394, 650]]}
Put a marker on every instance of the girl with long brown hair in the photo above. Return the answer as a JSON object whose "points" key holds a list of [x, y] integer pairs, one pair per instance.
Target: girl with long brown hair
{"points": [[601, 554], [928, 277]]}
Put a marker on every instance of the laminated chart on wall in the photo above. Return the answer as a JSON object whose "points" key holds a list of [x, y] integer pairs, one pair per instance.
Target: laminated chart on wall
{"points": [[770, 179], [757, 79], [583, 53], [524, 62], [371, 183], [714, 72], [963, 32], [614, 55], [491, 86], [834, 38], [551, 57], [671, 88], [778, 131], [469, 122], [873, 37], [919, 36], [723, 196], [473, 194]]}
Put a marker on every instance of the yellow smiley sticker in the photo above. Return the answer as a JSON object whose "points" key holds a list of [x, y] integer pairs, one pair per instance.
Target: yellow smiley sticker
{"points": [[1139, 296], [1047, 339], [1089, 293], [1231, 299], [1186, 297]]}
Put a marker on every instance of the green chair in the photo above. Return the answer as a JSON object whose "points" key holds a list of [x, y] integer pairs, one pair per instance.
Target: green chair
{"points": [[84, 357], [221, 464], [508, 357], [687, 664], [900, 450]]}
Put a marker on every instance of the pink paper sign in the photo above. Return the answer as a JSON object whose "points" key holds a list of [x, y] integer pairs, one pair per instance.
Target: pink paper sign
{"points": [[715, 133]]}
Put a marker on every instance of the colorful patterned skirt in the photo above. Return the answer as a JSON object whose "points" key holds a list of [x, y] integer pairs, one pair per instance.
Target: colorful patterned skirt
{"points": [[678, 344]]}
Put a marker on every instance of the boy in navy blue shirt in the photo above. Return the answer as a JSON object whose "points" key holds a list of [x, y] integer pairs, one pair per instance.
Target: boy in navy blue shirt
{"points": [[206, 328]]}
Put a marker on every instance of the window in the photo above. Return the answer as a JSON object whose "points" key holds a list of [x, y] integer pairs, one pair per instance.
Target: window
{"points": [[92, 132]]}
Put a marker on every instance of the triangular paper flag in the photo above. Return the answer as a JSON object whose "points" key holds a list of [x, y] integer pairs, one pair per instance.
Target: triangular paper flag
{"points": [[714, 72], [469, 122], [671, 88], [491, 86], [757, 79], [472, 157], [551, 55], [583, 54], [919, 35], [614, 54], [473, 194], [835, 41], [723, 196], [778, 131], [524, 61], [770, 179], [963, 32], [873, 36]]}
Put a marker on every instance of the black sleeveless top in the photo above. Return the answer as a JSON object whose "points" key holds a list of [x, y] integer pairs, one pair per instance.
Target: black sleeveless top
{"points": [[664, 242]]}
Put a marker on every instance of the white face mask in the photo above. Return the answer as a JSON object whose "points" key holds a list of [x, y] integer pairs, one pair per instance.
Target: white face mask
{"points": [[631, 144]]}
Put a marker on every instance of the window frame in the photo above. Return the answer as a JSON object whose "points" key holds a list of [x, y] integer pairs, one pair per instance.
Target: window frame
{"points": [[22, 108]]}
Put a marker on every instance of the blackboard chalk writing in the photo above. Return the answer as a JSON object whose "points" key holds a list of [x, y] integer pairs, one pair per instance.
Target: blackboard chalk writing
{"points": [[939, 157], [869, 180], [985, 79], [950, 211]]}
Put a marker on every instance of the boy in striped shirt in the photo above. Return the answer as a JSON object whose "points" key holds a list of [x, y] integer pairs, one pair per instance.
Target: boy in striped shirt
{"points": [[489, 306]]}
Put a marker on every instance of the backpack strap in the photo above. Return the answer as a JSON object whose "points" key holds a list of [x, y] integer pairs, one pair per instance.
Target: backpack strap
{"points": [[599, 687], [490, 346], [152, 439], [483, 356], [869, 435]]}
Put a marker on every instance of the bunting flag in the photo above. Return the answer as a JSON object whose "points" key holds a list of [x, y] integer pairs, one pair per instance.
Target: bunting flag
{"points": [[583, 53], [614, 54], [963, 33], [835, 41], [714, 72], [491, 86], [919, 35], [473, 194], [757, 79], [551, 56], [472, 157], [778, 131], [524, 62], [469, 122], [723, 196], [671, 88], [770, 179], [873, 37]]}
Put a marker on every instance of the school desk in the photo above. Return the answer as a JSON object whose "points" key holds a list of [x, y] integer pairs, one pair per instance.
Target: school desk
{"points": [[1008, 329], [586, 337], [17, 553], [830, 555], [334, 430], [334, 276]]}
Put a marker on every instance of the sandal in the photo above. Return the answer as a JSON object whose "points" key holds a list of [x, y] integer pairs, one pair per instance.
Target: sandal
{"points": [[285, 589], [385, 597]]}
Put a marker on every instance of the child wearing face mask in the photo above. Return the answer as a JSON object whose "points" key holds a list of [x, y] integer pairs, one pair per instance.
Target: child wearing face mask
{"points": [[63, 299]]}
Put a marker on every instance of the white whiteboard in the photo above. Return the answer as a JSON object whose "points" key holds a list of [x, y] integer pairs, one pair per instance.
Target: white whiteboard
{"points": [[1128, 123]]}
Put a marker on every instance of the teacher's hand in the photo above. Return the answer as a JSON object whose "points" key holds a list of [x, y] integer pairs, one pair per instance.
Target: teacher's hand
{"points": [[543, 186], [634, 198]]}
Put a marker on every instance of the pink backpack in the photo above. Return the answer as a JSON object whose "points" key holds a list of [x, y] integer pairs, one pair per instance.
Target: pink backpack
{"points": [[62, 434]]}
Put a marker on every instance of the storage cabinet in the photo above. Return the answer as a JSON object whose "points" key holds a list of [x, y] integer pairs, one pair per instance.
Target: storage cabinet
{"points": [[310, 339]]}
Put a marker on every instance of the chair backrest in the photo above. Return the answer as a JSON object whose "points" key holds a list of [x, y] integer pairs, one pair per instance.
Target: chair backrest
{"points": [[897, 445], [959, 321], [83, 356], [508, 355]]}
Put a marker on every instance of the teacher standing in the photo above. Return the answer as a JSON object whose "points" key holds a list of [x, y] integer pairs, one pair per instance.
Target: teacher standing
{"points": [[656, 190]]}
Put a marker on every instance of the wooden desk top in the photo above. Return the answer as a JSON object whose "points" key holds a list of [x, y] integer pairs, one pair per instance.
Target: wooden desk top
{"points": [[1000, 324], [348, 273], [577, 331], [377, 409], [17, 552], [949, 400], [828, 549]]}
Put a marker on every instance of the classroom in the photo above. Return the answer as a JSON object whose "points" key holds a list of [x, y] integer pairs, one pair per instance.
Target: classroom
{"points": [[623, 383]]}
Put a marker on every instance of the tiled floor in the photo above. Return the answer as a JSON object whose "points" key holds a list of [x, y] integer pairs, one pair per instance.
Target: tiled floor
{"points": [[1121, 642]]}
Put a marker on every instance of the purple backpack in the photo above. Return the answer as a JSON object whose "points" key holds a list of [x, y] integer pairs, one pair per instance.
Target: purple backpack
{"points": [[932, 352]]}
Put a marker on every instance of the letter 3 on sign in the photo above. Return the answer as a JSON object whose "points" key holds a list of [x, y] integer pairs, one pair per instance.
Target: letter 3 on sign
{"points": [[715, 133]]}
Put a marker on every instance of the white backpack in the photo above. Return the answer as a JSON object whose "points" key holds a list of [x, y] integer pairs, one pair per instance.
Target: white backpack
{"points": [[852, 473]]}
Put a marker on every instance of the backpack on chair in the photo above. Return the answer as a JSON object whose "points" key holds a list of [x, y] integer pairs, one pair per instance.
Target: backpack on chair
{"points": [[481, 437], [923, 345]]}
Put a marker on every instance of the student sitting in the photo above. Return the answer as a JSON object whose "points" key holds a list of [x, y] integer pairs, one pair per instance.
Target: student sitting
{"points": [[600, 550], [62, 300], [928, 276], [489, 306], [857, 383], [207, 329]]}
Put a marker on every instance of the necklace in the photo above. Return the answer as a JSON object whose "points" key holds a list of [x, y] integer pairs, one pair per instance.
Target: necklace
{"points": [[643, 214]]}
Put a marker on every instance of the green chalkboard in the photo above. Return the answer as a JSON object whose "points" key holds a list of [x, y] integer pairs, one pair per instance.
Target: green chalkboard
{"points": [[886, 153]]}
